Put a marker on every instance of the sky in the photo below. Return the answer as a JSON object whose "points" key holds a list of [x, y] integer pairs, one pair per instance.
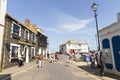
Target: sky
{"points": [[63, 20]]}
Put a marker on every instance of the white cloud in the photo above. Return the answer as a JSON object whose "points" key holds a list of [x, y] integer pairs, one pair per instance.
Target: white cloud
{"points": [[54, 30], [67, 23], [88, 31], [76, 25]]}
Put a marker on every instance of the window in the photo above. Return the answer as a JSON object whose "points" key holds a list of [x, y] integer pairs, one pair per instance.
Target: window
{"points": [[14, 51], [32, 52], [26, 35], [33, 37], [16, 30]]}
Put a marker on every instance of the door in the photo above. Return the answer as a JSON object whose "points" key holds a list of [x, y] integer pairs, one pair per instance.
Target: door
{"points": [[107, 53], [116, 51], [26, 49]]}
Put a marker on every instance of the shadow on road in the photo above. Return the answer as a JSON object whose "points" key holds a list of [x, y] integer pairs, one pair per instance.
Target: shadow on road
{"points": [[97, 71], [5, 76]]}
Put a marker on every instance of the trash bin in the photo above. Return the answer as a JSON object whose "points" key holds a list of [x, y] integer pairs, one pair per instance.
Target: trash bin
{"points": [[86, 58]]}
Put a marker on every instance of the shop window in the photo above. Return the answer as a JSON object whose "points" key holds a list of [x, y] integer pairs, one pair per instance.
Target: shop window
{"points": [[14, 51]]}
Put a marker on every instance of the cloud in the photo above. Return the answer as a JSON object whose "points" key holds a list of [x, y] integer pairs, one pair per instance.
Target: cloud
{"points": [[76, 25], [54, 30], [67, 23], [88, 31]]}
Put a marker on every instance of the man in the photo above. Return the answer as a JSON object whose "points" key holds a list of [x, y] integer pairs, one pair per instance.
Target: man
{"points": [[102, 63], [20, 61], [97, 59], [92, 60], [70, 55]]}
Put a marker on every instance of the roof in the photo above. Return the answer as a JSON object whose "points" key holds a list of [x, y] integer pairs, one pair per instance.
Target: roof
{"points": [[31, 27], [73, 41], [41, 31], [111, 25]]}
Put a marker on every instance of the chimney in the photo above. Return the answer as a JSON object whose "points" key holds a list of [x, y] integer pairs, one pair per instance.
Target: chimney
{"points": [[27, 22]]}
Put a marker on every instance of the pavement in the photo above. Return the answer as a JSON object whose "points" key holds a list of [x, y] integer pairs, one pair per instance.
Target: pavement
{"points": [[95, 72], [12, 71]]}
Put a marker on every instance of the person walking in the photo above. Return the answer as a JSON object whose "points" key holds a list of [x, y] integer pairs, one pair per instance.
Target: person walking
{"points": [[97, 59], [56, 57], [92, 60], [102, 63], [20, 61], [39, 59], [71, 55], [48, 55]]}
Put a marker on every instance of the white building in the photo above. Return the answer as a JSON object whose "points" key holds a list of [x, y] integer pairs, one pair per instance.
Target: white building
{"points": [[76, 45], [110, 44], [3, 4]]}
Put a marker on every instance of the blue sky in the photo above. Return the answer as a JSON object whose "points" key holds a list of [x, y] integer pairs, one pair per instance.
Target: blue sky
{"points": [[65, 19]]}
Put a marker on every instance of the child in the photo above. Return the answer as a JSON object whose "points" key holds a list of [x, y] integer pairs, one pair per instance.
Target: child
{"points": [[39, 61]]}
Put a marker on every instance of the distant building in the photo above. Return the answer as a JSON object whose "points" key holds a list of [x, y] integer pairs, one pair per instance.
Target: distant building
{"points": [[110, 45], [80, 46]]}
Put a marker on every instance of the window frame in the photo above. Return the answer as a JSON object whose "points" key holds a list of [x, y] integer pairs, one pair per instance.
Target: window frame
{"points": [[26, 30], [18, 54], [13, 23], [33, 39]]}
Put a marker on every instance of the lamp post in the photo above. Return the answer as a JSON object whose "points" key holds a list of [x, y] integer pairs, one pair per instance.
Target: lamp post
{"points": [[94, 8]]}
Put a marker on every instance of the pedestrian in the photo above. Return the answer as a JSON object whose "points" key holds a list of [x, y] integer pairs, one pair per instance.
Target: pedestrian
{"points": [[70, 57], [77, 57], [56, 57], [39, 59], [102, 63], [71, 52], [20, 61], [92, 60], [97, 59], [52, 59], [48, 55]]}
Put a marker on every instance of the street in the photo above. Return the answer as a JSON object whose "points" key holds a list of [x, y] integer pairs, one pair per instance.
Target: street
{"points": [[61, 70]]}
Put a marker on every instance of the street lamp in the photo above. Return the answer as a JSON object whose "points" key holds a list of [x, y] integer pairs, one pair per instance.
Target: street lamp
{"points": [[94, 8]]}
